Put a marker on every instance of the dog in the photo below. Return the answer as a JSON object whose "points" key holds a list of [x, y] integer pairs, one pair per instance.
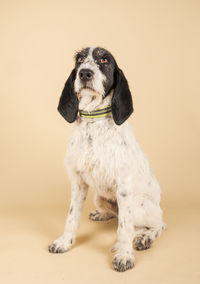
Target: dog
{"points": [[103, 154]]}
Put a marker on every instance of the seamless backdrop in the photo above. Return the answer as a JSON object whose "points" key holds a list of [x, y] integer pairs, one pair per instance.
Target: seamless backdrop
{"points": [[157, 44]]}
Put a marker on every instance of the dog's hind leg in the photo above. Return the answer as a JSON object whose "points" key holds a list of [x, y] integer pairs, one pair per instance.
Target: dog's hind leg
{"points": [[106, 209], [148, 221]]}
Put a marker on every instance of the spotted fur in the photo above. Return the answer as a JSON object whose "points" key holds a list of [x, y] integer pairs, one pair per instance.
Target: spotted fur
{"points": [[104, 155]]}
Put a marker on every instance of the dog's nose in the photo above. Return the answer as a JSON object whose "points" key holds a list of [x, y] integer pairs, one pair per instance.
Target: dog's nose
{"points": [[86, 74]]}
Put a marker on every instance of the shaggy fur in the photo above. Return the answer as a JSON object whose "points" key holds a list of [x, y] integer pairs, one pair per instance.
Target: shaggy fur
{"points": [[104, 155]]}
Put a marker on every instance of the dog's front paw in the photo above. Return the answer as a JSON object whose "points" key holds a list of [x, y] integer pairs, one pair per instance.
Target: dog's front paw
{"points": [[122, 262], [62, 244]]}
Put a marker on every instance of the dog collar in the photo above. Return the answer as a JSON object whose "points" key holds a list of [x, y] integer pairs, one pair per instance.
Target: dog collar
{"points": [[96, 113]]}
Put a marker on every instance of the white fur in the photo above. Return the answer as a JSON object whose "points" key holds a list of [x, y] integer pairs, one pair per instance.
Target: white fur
{"points": [[107, 158]]}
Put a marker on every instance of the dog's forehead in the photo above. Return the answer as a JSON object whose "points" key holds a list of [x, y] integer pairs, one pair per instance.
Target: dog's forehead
{"points": [[94, 52], [84, 52], [99, 52]]}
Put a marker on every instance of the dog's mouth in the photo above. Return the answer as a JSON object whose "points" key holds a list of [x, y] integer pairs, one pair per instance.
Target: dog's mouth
{"points": [[87, 85], [87, 88], [89, 99]]}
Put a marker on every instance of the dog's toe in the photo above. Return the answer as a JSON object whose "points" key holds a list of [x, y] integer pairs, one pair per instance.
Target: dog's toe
{"points": [[122, 263], [142, 242], [60, 245], [52, 248], [94, 216], [55, 248]]}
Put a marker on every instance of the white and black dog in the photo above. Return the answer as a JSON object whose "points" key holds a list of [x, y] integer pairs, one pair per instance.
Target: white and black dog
{"points": [[103, 154]]}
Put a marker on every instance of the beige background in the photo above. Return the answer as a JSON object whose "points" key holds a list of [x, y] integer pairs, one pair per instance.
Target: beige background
{"points": [[157, 44]]}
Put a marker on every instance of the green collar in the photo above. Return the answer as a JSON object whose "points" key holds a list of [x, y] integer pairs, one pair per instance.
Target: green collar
{"points": [[96, 113]]}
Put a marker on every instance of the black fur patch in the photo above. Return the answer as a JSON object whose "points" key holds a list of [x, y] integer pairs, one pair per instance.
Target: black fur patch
{"points": [[123, 194], [68, 104], [81, 54], [122, 105], [106, 68]]}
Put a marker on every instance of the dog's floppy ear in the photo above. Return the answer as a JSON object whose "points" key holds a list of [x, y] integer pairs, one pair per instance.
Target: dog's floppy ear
{"points": [[122, 105], [68, 104]]}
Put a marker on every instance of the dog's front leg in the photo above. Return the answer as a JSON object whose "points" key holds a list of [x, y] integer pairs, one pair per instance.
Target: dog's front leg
{"points": [[65, 242], [124, 258]]}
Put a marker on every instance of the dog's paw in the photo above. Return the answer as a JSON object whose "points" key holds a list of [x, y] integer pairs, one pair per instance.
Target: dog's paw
{"points": [[61, 245], [142, 242], [123, 262], [99, 216]]}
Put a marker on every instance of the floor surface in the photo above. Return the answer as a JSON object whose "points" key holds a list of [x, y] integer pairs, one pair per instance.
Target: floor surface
{"points": [[27, 232]]}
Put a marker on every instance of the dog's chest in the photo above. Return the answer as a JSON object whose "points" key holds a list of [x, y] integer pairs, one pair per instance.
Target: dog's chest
{"points": [[92, 153]]}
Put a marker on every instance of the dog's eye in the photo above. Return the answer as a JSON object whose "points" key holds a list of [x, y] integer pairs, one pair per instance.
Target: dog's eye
{"points": [[104, 60], [80, 59]]}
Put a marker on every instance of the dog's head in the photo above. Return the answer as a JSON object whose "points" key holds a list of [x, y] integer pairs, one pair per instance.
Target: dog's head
{"points": [[97, 72]]}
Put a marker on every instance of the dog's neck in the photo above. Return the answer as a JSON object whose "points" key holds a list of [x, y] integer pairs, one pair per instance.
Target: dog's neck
{"points": [[90, 100]]}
